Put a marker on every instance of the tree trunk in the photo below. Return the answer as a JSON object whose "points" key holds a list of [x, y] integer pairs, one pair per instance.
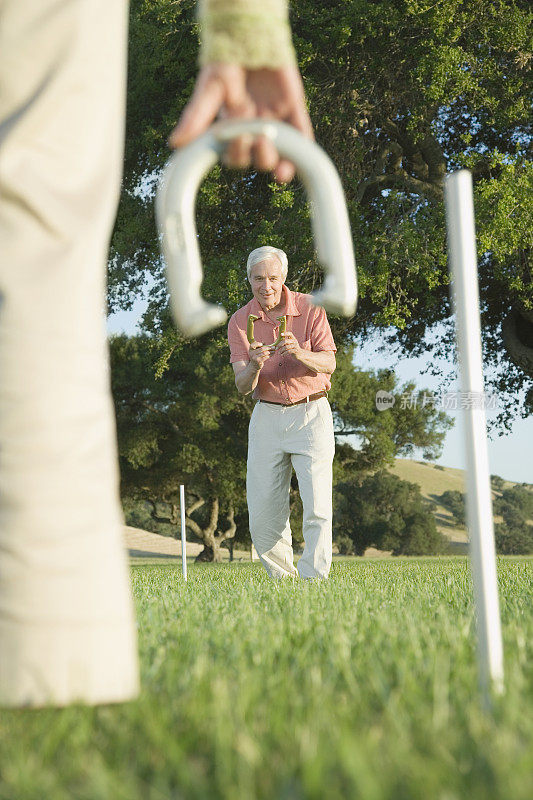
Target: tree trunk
{"points": [[212, 542], [217, 553], [205, 555], [517, 335], [211, 552]]}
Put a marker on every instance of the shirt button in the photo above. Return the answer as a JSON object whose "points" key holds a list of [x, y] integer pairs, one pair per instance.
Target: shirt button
{"points": [[280, 364], [282, 382]]}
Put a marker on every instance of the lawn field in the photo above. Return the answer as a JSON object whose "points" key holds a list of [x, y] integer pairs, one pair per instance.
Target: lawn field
{"points": [[362, 686]]}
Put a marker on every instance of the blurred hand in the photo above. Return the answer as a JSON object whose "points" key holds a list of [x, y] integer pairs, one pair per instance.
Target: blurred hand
{"points": [[229, 91], [258, 354]]}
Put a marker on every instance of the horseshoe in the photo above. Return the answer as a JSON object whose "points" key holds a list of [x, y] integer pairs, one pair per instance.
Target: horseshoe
{"points": [[250, 329], [175, 201], [282, 329]]}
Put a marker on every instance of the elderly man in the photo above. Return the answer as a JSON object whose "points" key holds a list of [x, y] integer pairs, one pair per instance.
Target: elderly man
{"points": [[291, 424]]}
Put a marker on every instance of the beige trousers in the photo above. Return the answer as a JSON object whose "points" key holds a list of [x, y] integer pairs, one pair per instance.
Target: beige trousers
{"points": [[279, 439], [66, 624]]}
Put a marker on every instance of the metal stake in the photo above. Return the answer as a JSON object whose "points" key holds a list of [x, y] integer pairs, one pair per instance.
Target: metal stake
{"points": [[183, 534], [462, 250]]}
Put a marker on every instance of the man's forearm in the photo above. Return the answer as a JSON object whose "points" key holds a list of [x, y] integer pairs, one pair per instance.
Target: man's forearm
{"points": [[252, 33], [246, 380], [318, 362]]}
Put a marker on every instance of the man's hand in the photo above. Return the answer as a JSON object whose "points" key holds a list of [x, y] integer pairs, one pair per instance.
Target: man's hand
{"points": [[258, 354], [230, 91], [322, 361], [289, 344]]}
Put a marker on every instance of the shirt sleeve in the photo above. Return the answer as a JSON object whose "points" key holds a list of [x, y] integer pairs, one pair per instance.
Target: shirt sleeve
{"points": [[238, 343], [252, 33], [321, 336]]}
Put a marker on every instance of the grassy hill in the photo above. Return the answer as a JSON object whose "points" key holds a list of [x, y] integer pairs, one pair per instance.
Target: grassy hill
{"points": [[433, 480]]}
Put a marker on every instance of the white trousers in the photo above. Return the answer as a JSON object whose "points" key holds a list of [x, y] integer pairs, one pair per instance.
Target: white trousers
{"points": [[279, 439], [67, 631]]}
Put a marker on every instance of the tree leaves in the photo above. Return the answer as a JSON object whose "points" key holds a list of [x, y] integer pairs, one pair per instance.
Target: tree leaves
{"points": [[400, 91]]}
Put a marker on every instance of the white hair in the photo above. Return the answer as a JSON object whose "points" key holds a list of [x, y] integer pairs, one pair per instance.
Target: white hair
{"points": [[260, 253]]}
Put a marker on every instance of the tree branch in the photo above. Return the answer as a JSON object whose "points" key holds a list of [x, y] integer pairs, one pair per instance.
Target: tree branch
{"points": [[195, 528], [213, 518], [423, 158], [155, 516], [518, 346], [158, 411], [196, 505], [231, 531], [402, 180]]}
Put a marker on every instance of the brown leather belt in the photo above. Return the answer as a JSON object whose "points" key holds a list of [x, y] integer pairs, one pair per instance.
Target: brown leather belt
{"points": [[316, 396]]}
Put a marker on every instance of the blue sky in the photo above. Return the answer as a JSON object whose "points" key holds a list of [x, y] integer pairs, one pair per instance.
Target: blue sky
{"points": [[510, 455]]}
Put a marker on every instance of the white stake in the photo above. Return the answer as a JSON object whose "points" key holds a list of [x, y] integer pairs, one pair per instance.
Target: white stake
{"points": [[183, 534], [462, 250]]}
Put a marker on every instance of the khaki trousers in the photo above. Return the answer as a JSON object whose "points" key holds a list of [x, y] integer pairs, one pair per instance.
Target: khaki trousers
{"points": [[66, 624], [279, 439]]}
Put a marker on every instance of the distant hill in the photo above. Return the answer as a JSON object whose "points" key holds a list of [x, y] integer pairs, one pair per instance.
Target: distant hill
{"points": [[433, 480]]}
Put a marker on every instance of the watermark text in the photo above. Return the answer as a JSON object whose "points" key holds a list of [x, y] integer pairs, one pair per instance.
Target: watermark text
{"points": [[443, 401]]}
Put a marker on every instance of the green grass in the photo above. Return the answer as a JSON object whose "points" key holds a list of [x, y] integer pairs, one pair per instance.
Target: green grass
{"points": [[363, 686]]}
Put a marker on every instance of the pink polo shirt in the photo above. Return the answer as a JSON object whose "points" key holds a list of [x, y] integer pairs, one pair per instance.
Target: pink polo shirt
{"points": [[283, 379]]}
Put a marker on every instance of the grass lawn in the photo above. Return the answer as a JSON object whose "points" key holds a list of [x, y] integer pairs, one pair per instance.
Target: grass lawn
{"points": [[363, 686]]}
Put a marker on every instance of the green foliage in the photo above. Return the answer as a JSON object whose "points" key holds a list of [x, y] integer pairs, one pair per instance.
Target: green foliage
{"points": [[138, 514], [344, 544], [383, 435], [399, 92], [454, 501], [180, 421], [418, 89], [515, 534], [506, 207], [519, 497], [497, 482], [515, 538], [385, 512]]}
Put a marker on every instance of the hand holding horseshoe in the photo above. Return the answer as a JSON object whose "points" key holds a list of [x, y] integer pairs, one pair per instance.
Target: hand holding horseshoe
{"points": [[289, 344], [232, 91], [258, 354], [175, 204]]}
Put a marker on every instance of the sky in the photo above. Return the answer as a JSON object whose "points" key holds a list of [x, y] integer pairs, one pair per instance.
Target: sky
{"points": [[510, 454]]}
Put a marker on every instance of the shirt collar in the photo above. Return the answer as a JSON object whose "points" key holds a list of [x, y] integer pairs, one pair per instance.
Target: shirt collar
{"points": [[291, 309]]}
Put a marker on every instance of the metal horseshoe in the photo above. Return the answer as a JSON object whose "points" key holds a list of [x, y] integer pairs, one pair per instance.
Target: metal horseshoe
{"points": [[250, 329], [175, 204], [282, 329]]}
